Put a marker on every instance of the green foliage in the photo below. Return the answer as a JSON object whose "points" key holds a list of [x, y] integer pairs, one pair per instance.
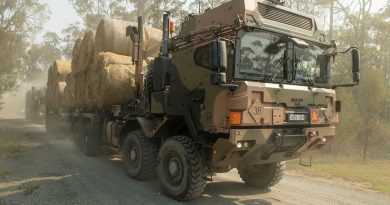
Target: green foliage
{"points": [[20, 20], [91, 11], [350, 115], [40, 56], [70, 35], [200, 6], [366, 107]]}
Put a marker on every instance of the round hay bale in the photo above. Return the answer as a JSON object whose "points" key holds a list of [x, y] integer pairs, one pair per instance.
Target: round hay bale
{"points": [[61, 92], [76, 48], [70, 92], [117, 85], [85, 55], [80, 89], [60, 70], [57, 96], [106, 59], [92, 87], [76, 54], [111, 37]]}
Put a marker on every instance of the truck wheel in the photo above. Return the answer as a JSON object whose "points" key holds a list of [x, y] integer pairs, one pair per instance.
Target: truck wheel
{"points": [[89, 144], [264, 175], [148, 90], [77, 132], [140, 155], [180, 168], [48, 123]]}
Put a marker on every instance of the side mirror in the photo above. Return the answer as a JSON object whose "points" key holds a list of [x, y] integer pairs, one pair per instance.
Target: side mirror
{"points": [[356, 65], [218, 55], [218, 63]]}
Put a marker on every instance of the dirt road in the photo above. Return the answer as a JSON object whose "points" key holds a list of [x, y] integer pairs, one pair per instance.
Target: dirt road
{"points": [[51, 171]]}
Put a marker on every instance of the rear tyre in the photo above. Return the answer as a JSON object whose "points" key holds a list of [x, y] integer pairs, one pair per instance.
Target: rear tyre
{"points": [[89, 144], [140, 156], [50, 128], [180, 168], [77, 133], [264, 175]]}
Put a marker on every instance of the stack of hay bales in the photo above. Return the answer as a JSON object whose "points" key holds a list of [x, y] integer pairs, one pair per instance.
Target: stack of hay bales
{"points": [[57, 75], [102, 72]]}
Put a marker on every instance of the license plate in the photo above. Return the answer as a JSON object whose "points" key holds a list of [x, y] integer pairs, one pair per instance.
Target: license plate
{"points": [[296, 117]]}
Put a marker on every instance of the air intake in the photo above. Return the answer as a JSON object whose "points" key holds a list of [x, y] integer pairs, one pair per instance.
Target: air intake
{"points": [[282, 16]]}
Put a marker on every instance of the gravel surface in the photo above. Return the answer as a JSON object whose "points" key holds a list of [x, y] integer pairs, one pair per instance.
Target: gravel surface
{"points": [[52, 171]]}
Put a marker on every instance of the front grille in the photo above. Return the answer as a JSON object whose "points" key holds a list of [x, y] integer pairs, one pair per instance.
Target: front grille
{"points": [[282, 16]]}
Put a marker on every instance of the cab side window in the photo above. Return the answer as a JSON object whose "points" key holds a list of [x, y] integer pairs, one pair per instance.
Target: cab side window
{"points": [[202, 56]]}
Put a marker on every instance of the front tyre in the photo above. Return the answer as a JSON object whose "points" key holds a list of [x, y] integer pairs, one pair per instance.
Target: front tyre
{"points": [[263, 175], [140, 156], [180, 168], [77, 133]]}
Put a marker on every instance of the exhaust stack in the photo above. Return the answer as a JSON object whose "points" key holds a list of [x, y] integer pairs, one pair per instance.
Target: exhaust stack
{"points": [[137, 37], [165, 40]]}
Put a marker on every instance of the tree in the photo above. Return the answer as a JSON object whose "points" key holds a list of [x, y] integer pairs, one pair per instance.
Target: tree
{"points": [[70, 35], [20, 20], [91, 11], [199, 6]]}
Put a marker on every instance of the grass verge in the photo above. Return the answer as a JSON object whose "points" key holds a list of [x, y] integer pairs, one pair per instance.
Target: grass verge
{"points": [[3, 174], [372, 173], [10, 142]]}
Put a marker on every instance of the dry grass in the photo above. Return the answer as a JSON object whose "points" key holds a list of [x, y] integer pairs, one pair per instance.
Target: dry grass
{"points": [[373, 173], [10, 142], [3, 174]]}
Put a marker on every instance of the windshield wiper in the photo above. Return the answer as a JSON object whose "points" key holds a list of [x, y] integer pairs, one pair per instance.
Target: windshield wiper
{"points": [[306, 78], [274, 70]]}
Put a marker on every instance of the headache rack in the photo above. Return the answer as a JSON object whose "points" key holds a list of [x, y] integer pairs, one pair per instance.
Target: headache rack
{"points": [[282, 16], [202, 36]]}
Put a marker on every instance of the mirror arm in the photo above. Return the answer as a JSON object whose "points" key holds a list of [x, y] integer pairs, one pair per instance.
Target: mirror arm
{"points": [[345, 85], [231, 86], [350, 48]]}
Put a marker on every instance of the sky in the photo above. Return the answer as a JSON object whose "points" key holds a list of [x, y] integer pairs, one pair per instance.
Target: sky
{"points": [[63, 14]]}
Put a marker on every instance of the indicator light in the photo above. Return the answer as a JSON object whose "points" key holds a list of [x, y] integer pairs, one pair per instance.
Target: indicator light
{"points": [[235, 118], [172, 27]]}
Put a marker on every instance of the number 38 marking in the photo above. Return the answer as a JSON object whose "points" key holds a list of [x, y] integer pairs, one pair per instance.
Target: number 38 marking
{"points": [[257, 110]]}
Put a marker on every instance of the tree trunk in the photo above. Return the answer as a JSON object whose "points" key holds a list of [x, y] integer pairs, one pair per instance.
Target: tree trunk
{"points": [[331, 19], [366, 144]]}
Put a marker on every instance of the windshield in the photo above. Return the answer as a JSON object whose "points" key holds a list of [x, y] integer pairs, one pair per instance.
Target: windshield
{"points": [[262, 57], [254, 61]]}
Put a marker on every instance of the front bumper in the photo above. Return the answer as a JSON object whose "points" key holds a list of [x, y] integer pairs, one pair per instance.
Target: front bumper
{"points": [[269, 145]]}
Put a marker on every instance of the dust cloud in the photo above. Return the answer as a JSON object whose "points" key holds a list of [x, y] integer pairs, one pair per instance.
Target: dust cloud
{"points": [[14, 101]]}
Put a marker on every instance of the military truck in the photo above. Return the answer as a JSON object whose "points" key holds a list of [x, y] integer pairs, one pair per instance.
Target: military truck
{"points": [[246, 85], [35, 105]]}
